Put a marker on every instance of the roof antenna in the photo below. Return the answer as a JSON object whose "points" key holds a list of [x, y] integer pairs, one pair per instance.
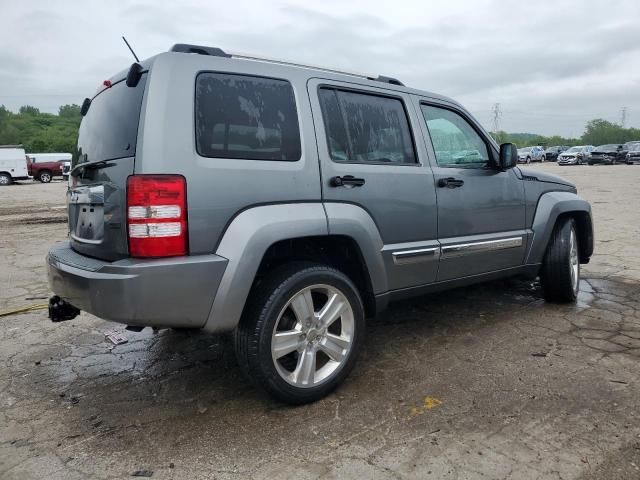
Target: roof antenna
{"points": [[131, 49]]}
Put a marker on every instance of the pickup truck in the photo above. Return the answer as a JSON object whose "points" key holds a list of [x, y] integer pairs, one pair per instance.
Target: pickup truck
{"points": [[45, 166]]}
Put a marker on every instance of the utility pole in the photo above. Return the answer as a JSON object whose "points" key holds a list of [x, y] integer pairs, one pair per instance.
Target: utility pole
{"points": [[496, 113], [623, 116]]}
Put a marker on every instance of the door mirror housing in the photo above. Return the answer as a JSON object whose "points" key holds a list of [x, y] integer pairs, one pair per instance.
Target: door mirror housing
{"points": [[508, 156]]}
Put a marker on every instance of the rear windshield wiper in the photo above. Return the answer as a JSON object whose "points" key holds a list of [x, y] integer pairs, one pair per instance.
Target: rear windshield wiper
{"points": [[78, 169]]}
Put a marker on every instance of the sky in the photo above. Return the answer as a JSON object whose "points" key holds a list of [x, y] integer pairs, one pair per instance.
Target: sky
{"points": [[551, 65]]}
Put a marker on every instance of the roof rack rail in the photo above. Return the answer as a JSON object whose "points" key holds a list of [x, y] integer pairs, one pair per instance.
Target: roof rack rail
{"points": [[218, 52], [12, 146]]}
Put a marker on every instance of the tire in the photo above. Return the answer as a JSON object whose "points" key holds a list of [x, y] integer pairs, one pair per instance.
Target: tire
{"points": [[528, 159], [44, 176], [5, 180], [269, 310], [560, 274]]}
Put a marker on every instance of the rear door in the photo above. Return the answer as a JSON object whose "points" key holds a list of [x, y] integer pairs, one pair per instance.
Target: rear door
{"points": [[369, 158], [481, 210], [107, 146]]}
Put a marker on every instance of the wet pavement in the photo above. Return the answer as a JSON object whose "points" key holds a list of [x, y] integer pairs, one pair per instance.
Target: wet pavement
{"points": [[482, 382]]}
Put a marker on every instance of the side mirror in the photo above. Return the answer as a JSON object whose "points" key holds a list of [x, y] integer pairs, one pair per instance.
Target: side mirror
{"points": [[508, 156]]}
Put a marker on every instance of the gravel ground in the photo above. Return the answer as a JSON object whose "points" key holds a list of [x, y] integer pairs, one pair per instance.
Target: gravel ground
{"points": [[482, 382]]}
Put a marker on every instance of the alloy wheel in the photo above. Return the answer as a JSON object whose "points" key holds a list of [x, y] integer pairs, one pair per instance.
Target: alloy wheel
{"points": [[574, 263], [312, 336]]}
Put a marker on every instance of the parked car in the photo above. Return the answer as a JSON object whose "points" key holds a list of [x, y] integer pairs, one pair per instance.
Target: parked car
{"points": [[286, 203], [551, 153], [575, 155], [45, 166], [13, 164], [530, 154], [628, 145], [633, 155], [610, 153]]}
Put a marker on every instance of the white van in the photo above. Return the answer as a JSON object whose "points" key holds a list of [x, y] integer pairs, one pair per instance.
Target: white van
{"points": [[13, 164]]}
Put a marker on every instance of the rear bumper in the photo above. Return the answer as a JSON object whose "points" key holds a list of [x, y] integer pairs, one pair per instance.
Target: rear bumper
{"points": [[173, 292]]}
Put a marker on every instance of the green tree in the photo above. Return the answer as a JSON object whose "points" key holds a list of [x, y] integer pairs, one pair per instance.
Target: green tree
{"points": [[599, 132], [29, 110], [69, 111]]}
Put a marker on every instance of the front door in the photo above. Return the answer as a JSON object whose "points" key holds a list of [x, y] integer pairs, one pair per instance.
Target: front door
{"points": [[481, 210], [370, 160]]}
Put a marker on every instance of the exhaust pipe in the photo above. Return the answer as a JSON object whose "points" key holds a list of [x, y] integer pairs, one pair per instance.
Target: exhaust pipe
{"points": [[59, 310]]}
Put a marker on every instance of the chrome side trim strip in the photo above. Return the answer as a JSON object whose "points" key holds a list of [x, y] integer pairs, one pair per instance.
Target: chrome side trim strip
{"points": [[416, 255], [462, 249]]}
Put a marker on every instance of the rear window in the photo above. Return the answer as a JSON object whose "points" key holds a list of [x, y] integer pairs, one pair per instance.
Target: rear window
{"points": [[366, 128], [246, 117], [109, 130]]}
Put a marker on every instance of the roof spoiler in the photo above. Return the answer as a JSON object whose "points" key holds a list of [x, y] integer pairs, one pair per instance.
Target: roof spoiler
{"points": [[218, 52]]}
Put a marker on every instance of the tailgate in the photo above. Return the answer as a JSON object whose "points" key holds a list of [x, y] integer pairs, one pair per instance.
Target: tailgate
{"points": [[96, 199]]}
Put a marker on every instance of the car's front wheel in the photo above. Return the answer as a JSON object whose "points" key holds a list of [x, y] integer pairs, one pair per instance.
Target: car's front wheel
{"points": [[528, 159], [301, 331], [560, 274]]}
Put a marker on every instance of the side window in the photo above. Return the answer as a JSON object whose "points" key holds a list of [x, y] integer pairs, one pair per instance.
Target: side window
{"points": [[241, 116], [455, 142], [366, 128]]}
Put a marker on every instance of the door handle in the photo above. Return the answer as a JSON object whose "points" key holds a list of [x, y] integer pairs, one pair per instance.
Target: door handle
{"points": [[450, 182], [348, 181]]}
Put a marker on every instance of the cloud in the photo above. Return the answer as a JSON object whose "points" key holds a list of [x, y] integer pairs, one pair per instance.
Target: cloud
{"points": [[552, 65]]}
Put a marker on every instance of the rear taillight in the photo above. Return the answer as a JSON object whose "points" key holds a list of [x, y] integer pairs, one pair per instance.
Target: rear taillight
{"points": [[157, 215]]}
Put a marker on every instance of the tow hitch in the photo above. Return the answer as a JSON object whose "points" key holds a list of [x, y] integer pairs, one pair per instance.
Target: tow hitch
{"points": [[59, 310]]}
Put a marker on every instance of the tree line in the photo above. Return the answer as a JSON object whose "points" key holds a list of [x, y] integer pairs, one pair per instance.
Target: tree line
{"points": [[596, 132], [41, 132], [45, 132]]}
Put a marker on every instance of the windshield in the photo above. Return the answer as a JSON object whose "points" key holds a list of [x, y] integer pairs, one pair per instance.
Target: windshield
{"points": [[606, 148], [634, 147], [574, 149], [525, 149], [109, 130]]}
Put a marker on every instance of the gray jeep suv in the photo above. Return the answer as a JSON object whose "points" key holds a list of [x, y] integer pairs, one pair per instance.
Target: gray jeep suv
{"points": [[287, 203]]}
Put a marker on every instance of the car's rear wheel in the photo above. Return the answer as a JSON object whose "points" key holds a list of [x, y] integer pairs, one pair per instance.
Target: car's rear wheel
{"points": [[301, 332], [528, 159], [5, 179], [44, 176], [560, 274]]}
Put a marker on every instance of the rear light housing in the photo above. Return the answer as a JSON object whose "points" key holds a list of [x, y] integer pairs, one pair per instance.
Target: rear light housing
{"points": [[157, 216]]}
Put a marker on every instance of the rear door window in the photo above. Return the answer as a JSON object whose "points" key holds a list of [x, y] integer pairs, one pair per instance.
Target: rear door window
{"points": [[109, 130], [366, 128], [246, 117]]}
